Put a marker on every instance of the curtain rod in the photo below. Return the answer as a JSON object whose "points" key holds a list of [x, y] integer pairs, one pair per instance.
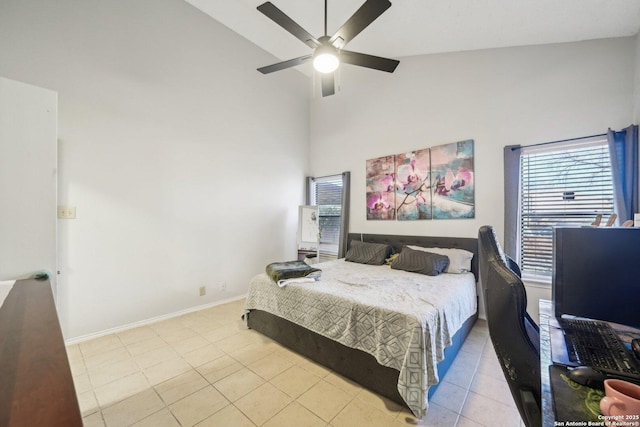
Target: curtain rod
{"points": [[556, 142], [327, 176]]}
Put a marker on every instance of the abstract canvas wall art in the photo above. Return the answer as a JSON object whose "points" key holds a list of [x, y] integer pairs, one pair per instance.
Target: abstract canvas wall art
{"points": [[431, 183], [413, 186], [380, 179], [453, 194]]}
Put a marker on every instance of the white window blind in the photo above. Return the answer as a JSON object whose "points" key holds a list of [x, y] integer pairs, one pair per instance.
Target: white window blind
{"points": [[560, 184], [326, 192]]}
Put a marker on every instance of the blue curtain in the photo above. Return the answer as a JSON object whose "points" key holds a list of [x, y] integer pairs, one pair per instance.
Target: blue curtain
{"points": [[623, 150], [511, 198], [344, 217]]}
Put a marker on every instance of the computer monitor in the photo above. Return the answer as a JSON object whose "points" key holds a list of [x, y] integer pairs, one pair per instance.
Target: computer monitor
{"points": [[596, 273]]}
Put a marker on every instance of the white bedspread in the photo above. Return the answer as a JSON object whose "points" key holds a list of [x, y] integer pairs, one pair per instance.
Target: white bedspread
{"points": [[405, 320]]}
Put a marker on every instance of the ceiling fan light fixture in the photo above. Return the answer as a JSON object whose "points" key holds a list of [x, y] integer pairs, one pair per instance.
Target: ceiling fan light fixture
{"points": [[325, 59], [329, 51], [326, 63]]}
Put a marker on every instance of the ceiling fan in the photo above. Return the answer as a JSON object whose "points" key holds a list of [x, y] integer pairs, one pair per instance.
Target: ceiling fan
{"points": [[329, 51]]}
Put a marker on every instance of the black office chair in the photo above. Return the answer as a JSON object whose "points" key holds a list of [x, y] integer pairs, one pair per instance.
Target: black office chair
{"points": [[515, 336]]}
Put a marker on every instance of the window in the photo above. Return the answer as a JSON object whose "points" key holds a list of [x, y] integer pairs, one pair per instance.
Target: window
{"points": [[560, 184], [327, 193]]}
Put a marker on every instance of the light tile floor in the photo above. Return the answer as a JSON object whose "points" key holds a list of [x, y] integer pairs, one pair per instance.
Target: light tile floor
{"points": [[207, 369]]}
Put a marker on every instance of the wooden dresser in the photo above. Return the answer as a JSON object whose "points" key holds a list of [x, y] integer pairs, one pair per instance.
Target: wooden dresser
{"points": [[36, 386]]}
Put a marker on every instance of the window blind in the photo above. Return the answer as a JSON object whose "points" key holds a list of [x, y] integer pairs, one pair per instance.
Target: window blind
{"points": [[567, 185], [327, 194]]}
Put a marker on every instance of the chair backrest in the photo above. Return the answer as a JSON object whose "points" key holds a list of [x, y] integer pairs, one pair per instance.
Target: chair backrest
{"points": [[514, 334]]}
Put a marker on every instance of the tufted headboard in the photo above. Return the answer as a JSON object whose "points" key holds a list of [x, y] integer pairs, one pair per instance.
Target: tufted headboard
{"points": [[397, 242]]}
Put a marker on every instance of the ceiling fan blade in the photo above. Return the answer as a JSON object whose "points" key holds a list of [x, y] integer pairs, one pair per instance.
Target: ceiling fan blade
{"points": [[364, 16], [279, 17], [284, 64], [328, 85], [369, 61]]}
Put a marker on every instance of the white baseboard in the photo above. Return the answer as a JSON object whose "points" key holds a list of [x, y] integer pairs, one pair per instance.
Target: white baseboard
{"points": [[128, 326]]}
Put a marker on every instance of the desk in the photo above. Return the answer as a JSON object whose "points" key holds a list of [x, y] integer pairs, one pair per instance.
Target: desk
{"points": [[36, 386], [548, 417], [573, 398]]}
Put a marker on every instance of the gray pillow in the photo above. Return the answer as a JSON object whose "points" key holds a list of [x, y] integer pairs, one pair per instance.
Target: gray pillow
{"points": [[368, 253], [420, 262]]}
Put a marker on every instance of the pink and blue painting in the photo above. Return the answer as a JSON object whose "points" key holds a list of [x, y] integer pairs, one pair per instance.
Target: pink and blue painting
{"points": [[432, 183], [413, 185], [381, 188], [452, 181]]}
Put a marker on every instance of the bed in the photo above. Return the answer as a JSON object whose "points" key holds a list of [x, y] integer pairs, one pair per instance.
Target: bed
{"points": [[365, 323]]}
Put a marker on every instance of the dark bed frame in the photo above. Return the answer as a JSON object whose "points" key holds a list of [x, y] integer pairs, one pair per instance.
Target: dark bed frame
{"points": [[355, 364]]}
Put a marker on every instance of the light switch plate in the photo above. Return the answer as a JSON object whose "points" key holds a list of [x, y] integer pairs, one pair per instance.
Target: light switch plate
{"points": [[66, 212]]}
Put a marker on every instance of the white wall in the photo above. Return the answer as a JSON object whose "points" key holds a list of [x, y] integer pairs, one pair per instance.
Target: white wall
{"points": [[185, 164], [496, 97], [28, 131]]}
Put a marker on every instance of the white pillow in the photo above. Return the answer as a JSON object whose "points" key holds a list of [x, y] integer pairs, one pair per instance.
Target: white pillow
{"points": [[459, 259]]}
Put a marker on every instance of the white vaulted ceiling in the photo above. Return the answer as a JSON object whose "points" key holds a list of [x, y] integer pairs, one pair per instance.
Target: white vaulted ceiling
{"points": [[418, 27]]}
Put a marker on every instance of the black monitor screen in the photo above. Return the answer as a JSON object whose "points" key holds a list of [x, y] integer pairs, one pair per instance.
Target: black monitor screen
{"points": [[596, 273]]}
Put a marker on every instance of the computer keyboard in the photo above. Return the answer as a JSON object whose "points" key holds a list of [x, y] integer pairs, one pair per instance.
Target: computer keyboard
{"points": [[594, 343]]}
